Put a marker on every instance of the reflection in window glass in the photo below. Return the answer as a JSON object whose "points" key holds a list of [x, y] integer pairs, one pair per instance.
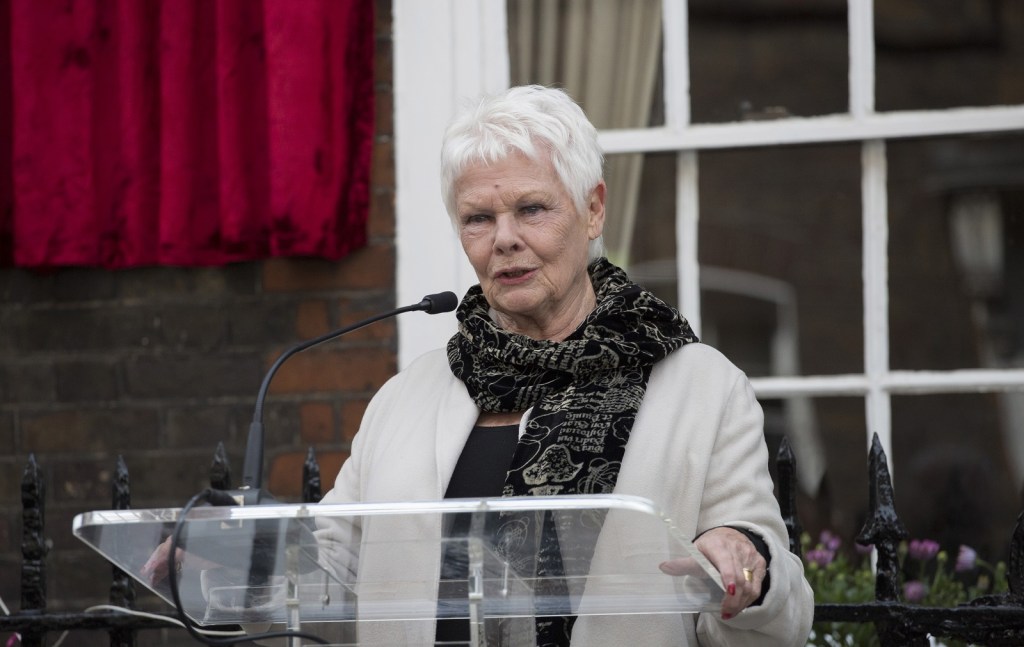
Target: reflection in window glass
{"points": [[767, 59], [741, 325], [934, 55], [605, 53], [955, 478], [827, 437], [780, 254], [956, 261], [640, 226]]}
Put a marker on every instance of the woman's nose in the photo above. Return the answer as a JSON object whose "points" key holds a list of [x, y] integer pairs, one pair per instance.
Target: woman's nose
{"points": [[506, 235]]}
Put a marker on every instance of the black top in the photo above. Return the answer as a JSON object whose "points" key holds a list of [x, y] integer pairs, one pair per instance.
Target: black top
{"points": [[484, 462], [479, 472]]}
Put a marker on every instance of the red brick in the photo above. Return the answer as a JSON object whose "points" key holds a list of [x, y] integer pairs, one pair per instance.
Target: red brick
{"points": [[352, 413], [196, 374], [372, 267], [7, 533], [384, 107], [163, 479], [285, 479], [7, 432], [382, 166], [32, 381], [382, 213], [103, 430], [92, 380], [12, 469], [382, 18], [79, 570], [83, 480], [377, 331], [286, 472], [351, 369], [61, 514], [383, 58], [330, 463], [317, 422], [311, 319], [201, 425]]}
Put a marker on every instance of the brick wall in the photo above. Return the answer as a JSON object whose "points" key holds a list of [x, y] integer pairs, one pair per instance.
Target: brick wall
{"points": [[158, 365]]}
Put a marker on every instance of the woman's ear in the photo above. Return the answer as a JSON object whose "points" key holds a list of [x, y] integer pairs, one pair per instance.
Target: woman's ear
{"points": [[595, 211]]}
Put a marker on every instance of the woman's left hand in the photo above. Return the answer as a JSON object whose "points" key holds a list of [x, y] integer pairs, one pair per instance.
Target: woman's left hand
{"points": [[734, 556]]}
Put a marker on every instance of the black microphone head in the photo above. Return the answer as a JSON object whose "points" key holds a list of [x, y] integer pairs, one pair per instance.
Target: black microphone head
{"points": [[440, 302]]}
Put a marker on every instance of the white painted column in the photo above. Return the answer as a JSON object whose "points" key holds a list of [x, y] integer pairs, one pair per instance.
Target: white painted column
{"points": [[445, 52]]}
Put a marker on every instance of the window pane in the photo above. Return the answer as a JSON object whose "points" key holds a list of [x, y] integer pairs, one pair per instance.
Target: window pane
{"points": [[605, 53], [780, 254], [640, 226], [830, 448], [932, 55], [765, 59], [956, 254], [955, 478]]}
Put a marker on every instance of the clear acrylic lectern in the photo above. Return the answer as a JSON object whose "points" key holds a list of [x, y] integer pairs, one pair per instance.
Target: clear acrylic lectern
{"points": [[499, 562]]}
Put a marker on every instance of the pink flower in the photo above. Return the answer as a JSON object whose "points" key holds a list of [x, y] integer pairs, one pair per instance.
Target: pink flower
{"points": [[830, 541], [820, 556], [863, 549], [914, 590], [923, 549], [966, 559]]}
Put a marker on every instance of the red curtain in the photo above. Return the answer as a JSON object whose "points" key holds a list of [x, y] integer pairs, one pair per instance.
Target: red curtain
{"points": [[183, 132]]}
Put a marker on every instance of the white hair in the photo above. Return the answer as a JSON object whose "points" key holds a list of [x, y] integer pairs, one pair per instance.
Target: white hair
{"points": [[532, 120]]}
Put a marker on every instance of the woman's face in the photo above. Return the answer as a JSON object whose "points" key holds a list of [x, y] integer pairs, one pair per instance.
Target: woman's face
{"points": [[528, 244]]}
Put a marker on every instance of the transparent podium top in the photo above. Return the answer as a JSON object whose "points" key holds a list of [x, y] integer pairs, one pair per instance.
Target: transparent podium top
{"points": [[503, 557]]}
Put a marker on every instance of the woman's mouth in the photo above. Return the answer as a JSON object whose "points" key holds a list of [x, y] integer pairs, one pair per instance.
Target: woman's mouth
{"points": [[513, 275]]}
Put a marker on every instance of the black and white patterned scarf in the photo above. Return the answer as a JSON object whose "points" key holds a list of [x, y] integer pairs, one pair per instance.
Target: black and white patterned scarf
{"points": [[585, 392]]}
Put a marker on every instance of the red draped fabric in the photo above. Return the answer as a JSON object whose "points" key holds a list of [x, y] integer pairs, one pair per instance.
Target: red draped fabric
{"points": [[183, 132]]}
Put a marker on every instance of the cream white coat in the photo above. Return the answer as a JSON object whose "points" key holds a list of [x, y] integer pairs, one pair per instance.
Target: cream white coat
{"points": [[696, 450]]}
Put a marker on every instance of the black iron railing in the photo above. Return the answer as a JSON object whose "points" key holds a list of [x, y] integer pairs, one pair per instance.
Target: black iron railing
{"points": [[994, 620]]}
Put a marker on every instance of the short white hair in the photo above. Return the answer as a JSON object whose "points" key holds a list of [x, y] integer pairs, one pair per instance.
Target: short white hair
{"points": [[532, 120]]}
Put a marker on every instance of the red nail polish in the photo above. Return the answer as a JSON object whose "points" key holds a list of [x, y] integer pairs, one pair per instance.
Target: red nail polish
{"points": [[726, 616], [731, 588]]}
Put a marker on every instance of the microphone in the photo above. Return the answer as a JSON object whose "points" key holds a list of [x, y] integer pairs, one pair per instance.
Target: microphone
{"points": [[251, 492]]}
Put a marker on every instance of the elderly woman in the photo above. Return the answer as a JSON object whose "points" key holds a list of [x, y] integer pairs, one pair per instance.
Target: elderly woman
{"points": [[559, 356]]}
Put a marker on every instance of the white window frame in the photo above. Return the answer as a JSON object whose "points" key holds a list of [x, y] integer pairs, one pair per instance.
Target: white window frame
{"points": [[446, 49]]}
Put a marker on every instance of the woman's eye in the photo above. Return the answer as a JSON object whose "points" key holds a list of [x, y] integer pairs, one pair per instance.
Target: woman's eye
{"points": [[476, 219], [532, 208]]}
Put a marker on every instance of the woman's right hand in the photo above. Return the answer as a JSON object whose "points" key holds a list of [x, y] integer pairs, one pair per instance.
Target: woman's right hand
{"points": [[155, 567]]}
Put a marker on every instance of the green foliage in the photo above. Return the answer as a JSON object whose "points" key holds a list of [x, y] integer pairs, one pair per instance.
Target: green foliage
{"points": [[928, 579], [839, 578]]}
